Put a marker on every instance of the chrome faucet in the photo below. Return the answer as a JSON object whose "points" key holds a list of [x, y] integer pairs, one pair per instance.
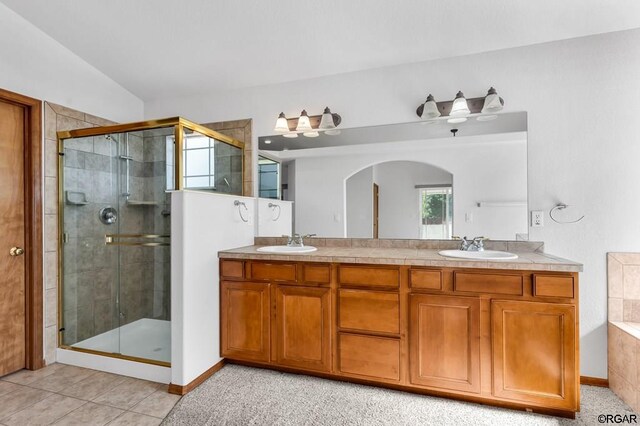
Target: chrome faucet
{"points": [[297, 240], [477, 244]]}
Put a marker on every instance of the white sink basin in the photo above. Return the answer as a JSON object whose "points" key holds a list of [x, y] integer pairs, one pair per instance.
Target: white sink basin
{"points": [[287, 249], [479, 255]]}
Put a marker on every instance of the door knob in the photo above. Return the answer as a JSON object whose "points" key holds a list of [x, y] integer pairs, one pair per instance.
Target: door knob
{"points": [[16, 251]]}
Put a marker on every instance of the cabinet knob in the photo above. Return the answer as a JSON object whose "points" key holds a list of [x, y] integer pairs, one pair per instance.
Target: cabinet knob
{"points": [[16, 251]]}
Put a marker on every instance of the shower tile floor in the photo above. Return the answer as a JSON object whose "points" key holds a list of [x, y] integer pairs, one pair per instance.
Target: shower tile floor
{"points": [[145, 338], [67, 395]]}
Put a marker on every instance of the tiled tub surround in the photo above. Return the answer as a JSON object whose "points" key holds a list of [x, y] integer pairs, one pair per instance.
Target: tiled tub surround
{"points": [[624, 326], [408, 252]]}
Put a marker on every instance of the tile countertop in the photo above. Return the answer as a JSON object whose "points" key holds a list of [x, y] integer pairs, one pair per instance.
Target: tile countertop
{"points": [[534, 261]]}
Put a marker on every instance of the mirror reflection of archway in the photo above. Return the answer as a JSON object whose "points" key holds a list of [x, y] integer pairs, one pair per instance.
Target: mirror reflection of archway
{"points": [[400, 199]]}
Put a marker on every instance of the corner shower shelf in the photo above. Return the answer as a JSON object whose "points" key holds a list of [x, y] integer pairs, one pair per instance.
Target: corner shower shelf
{"points": [[142, 203]]}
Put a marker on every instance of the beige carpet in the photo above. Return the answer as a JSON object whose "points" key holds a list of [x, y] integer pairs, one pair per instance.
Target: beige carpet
{"points": [[238, 395]]}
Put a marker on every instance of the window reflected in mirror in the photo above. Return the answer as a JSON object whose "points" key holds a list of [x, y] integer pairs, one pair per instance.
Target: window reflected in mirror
{"points": [[436, 212], [269, 174]]}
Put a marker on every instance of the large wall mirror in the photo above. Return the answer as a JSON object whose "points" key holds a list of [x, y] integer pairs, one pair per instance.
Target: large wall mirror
{"points": [[414, 180]]}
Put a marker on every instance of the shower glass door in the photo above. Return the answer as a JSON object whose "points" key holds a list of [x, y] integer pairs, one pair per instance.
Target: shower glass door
{"points": [[116, 244], [143, 246], [89, 168]]}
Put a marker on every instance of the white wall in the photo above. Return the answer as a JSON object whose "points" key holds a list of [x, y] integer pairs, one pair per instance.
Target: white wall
{"points": [[498, 173], [398, 197], [581, 98], [359, 204], [202, 224], [274, 222], [34, 64]]}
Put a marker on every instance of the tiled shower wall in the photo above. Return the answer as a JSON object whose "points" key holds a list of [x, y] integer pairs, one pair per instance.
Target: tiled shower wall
{"points": [[56, 118]]}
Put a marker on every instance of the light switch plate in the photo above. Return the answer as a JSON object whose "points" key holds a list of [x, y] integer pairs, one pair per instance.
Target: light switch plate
{"points": [[537, 218]]}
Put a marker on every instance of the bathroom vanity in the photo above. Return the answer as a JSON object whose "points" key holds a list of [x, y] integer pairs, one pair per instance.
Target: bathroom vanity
{"points": [[501, 333]]}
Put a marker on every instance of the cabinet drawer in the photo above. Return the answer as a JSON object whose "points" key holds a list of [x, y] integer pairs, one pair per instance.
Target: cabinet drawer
{"points": [[488, 283], [369, 311], [426, 278], [374, 357], [553, 286], [316, 274], [369, 276], [232, 268], [273, 271]]}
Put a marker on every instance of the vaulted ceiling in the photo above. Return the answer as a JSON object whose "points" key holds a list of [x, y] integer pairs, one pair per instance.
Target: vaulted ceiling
{"points": [[167, 48]]}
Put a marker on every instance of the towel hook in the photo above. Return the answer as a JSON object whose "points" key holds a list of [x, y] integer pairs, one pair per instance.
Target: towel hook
{"points": [[239, 203], [273, 206], [562, 206]]}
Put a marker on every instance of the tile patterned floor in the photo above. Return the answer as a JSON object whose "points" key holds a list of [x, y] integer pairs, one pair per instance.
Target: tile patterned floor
{"points": [[66, 395]]}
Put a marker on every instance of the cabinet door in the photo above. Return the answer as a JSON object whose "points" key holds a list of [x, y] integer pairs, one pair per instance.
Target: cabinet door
{"points": [[302, 322], [245, 320], [444, 342], [534, 353]]}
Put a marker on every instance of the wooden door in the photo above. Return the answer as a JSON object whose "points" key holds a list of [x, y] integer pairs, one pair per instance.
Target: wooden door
{"points": [[534, 353], [376, 200], [12, 239], [444, 343], [302, 327], [245, 320]]}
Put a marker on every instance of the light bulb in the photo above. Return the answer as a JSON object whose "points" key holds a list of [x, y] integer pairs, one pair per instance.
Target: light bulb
{"points": [[430, 108], [290, 135], [326, 122], [460, 107], [311, 134], [281, 124], [455, 120], [304, 125]]}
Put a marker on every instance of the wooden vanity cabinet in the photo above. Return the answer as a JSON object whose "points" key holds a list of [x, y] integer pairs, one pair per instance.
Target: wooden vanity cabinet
{"points": [[444, 342], [302, 336], [534, 352], [245, 320], [504, 337]]}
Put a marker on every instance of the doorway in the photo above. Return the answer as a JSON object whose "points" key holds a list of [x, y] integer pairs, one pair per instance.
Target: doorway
{"points": [[21, 319], [376, 200]]}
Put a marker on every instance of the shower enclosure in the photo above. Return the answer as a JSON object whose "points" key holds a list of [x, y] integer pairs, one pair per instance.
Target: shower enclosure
{"points": [[115, 228]]}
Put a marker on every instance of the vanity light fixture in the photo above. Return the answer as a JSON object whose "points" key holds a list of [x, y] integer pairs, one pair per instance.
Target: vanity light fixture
{"points": [[281, 124], [459, 109], [492, 104], [326, 122], [430, 108], [309, 126], [304, 125]]}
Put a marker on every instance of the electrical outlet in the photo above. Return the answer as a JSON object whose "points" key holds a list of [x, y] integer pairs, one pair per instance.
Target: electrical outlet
{"points": [[537, 218]]}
